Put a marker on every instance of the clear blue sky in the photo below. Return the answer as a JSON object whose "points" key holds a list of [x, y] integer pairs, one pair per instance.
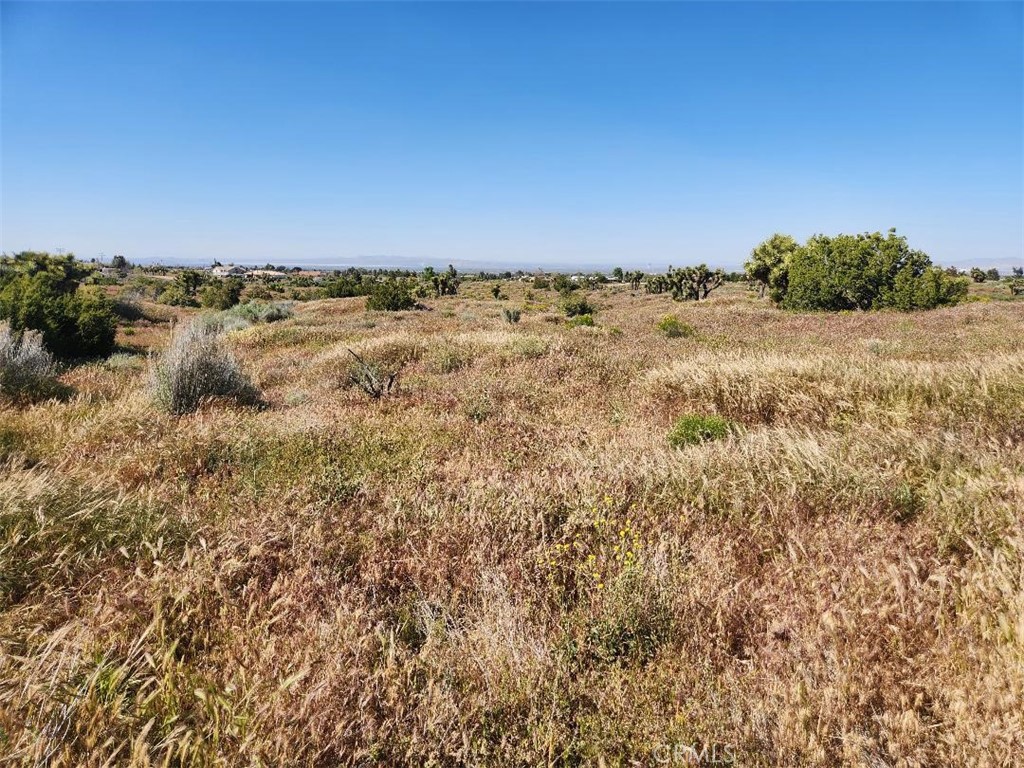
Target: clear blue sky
{"points": [[629, 134]]}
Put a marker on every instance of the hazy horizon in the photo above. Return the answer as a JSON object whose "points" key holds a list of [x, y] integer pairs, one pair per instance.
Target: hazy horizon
{"points": [[553, 136]]}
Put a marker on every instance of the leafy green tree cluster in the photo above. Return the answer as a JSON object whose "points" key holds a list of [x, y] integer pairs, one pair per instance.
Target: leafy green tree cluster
{"points": [[979, 275], [221, 294], [346, 285], [849, 272], [45, 293]]}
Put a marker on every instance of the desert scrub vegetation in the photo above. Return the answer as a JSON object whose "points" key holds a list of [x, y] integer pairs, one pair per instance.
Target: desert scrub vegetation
{"points": [[26, 368], [507, 563], [674, 328], [241, 316], [575, 306], [195, 368]]}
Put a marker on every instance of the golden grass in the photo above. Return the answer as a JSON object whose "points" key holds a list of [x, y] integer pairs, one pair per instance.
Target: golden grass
{"points": [[506, 563]]}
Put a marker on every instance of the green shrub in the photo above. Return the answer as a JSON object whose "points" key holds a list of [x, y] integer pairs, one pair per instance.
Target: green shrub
{"points": [[390, 296], [673, 328], [222, 294], [26, 368], [694, 428], [574, 306], [44, 293], [578, 320], [563, 284], [195, 368], [511, 316]]}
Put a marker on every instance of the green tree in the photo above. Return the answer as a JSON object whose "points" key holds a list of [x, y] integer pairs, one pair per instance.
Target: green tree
{"points": [[44, 293], [978, 275], [390, 296], [866, 271], [768, 264], [617, 274]]}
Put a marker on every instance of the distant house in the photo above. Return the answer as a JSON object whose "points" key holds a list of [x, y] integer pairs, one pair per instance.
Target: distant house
{"points": [[266, 274], [229, 270]]}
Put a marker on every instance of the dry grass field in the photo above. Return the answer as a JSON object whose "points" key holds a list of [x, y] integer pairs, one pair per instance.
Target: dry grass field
{"points": [[505, 562]]}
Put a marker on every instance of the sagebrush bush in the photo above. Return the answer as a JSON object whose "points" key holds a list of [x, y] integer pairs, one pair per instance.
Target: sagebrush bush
{"points": [[26, 368], [694, 428], [263, 311], [511, 316], [195, 368], [674, 328]]}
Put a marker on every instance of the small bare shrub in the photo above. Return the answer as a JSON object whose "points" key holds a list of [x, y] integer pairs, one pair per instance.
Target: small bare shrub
{"points": [[195, 368], [370, 379]]}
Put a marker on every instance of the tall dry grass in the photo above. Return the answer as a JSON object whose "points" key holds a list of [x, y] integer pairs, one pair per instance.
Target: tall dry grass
{"points": [[505, 562]]}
